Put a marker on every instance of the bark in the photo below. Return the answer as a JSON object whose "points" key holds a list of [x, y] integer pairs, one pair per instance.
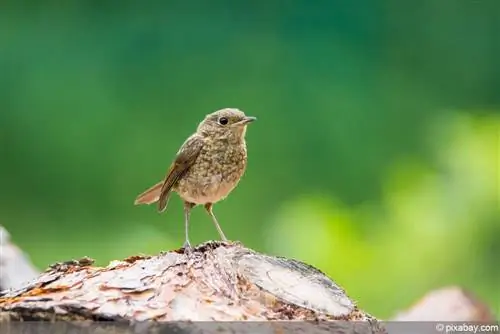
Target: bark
{"points": [[217, 281]]}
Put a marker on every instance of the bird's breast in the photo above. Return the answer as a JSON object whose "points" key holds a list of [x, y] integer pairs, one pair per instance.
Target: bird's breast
{"points": [[215, 173]]}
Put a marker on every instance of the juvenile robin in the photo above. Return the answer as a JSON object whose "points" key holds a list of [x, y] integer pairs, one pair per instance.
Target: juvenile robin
{"points": [[207, 167]]}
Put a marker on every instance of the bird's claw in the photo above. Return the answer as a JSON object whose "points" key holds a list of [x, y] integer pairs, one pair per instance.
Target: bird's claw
{"points": [[187, 248]]}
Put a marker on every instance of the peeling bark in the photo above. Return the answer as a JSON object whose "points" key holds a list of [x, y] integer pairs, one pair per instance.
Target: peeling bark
{"points": [[217, 281], [218, 288]]}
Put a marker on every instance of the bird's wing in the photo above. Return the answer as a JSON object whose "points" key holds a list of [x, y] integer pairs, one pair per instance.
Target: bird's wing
{"points": [[185, 158]]}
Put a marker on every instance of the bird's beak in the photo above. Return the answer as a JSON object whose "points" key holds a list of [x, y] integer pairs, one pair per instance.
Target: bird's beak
{"points": [[246, 120]]}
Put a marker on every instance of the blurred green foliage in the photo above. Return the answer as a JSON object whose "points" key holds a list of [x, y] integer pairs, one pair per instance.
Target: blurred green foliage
{"points": [[375, 157]]}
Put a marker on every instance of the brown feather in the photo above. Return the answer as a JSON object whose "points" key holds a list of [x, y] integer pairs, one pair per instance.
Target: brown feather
{"points": [[185, 158], [149, 196]]}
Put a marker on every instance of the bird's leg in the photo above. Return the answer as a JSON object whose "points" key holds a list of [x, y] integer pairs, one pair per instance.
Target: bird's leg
{"points": [[187, 212], [208, 207]]}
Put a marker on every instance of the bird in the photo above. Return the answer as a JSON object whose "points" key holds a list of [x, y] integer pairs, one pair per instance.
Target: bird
{"points": [[206, 168]]}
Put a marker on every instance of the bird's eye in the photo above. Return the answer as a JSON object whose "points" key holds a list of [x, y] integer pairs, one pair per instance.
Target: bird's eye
{"points": [[223, 120]]}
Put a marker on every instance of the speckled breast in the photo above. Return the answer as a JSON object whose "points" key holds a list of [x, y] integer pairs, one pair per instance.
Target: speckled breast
{"points": [[215, 173]]}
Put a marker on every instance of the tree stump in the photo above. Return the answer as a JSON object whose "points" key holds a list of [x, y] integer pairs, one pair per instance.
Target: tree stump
{"points": [[216, 282], [15, 266]]}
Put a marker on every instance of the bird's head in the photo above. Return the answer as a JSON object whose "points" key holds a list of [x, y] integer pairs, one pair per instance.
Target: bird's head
{"points": [[226, 123]]}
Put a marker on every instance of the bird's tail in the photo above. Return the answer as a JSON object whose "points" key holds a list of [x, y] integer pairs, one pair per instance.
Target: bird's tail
{"points": [[150, 196]]}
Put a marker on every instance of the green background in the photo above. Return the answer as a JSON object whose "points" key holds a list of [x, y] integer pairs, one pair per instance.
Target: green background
{"points": [[375, 156]]}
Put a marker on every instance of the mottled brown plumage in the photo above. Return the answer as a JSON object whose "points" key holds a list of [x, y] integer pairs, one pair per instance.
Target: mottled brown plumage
{"points": [[208, 166]]}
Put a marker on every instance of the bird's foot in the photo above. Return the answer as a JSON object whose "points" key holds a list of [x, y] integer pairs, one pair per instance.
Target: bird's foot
{"points": [[226, 241], [187, 248]]}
